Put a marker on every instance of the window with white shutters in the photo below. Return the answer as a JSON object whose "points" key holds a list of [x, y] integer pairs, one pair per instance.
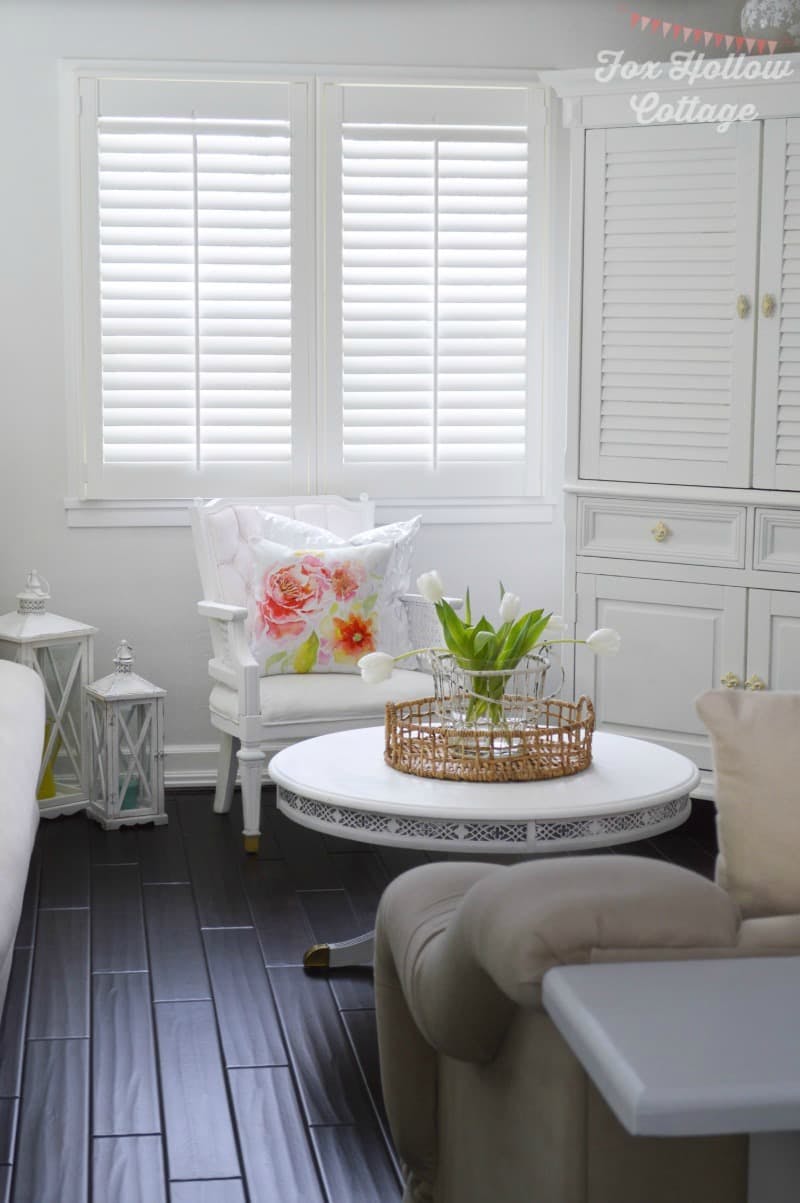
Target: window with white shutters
{"points": [[218, 257], [430, 269], [196, 350]]}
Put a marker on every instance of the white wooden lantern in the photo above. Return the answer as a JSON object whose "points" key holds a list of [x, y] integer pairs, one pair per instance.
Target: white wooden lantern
{"points": [[60, 650], [126, 738]]}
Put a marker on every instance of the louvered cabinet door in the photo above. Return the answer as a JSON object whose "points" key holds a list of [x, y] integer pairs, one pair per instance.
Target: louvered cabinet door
{"points": [[776, 461], [670, 246]]}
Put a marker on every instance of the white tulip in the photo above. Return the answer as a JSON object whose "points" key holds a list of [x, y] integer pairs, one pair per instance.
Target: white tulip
{"points": [[376, 667], [510, 607], [555, 625], [430, 586], [605, 642]]}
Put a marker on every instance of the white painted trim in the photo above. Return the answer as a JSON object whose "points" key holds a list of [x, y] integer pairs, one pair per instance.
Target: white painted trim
{"points": [[447, 512], [615, 488]]}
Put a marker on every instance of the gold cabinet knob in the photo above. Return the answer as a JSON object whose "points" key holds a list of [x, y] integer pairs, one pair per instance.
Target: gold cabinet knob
{"points": [[660, 532], [742, 305], [730, 681], [768, 304], [755, 683]]}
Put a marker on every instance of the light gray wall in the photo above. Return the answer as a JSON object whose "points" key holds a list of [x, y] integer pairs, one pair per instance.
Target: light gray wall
{"points": [[142, 582]]}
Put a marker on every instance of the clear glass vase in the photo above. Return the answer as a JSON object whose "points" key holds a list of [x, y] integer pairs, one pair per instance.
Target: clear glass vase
{"points": [[496, 700]]}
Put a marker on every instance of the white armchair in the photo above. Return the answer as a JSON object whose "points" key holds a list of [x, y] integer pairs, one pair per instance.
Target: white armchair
{"points": [[258, 715]]}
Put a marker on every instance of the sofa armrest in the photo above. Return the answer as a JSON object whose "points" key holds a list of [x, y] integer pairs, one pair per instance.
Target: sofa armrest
{"points": [[464, 977], [574, 910]]}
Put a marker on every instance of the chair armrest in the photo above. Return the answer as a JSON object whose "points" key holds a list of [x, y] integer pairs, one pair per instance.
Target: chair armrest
{"points": [[233, 663], [221, 611], [465, 979]]}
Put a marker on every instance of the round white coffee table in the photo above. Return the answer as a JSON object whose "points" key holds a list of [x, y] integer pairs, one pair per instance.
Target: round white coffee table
{"points": [[340, 784]]}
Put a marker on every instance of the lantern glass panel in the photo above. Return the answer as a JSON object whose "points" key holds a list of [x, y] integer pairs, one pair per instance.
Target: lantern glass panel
{"points": [[59, 666], [135, 738]]}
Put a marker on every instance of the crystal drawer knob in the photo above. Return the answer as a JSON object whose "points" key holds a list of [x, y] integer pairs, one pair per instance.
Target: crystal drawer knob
{"points": [[730, 681], [660, 532], [755, 683]]}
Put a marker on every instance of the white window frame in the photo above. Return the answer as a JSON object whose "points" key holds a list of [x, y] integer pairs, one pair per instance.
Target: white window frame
{"points": [[90, 505]]}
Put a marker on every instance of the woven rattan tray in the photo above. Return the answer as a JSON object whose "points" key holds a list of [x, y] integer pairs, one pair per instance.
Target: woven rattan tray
{"points": [[418, 742]]}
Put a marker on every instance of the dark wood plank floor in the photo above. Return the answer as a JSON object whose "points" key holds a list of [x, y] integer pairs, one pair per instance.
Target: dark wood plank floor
{"points": [[161, 1041]]}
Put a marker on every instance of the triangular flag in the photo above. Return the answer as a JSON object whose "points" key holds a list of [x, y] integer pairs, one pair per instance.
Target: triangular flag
{"points": [[656, 22], [687, 32], [645, 22], [761, 44], [718, 40], [740, 43], [728, 40], [666, 27], [772, 47], [677, 30], [698, 35], [750, 44], [634, 20], [707, 36]]}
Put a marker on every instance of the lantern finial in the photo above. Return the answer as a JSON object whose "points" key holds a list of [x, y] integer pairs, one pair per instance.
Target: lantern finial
{"points": [[32, 599], [123, 661]]}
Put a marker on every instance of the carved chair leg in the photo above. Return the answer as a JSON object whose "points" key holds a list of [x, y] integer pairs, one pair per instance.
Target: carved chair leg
{"points": [[226, 772], [251, 763]]}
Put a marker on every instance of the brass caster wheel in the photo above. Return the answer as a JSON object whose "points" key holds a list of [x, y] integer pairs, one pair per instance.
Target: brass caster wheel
{"points": [[317, 957], [252, 843]]}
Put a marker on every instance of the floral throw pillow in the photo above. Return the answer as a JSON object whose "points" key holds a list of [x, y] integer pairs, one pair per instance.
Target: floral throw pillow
{"points": [[316, 610]]}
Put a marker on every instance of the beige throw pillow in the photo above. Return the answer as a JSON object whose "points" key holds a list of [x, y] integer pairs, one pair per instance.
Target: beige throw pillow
{"points": [[756, 743]]}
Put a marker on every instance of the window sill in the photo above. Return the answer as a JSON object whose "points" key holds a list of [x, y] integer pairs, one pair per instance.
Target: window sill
{"points": [[454, 511]]}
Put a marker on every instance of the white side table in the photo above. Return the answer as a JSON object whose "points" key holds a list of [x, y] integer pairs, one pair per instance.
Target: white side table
{"points": [[694, 1048], [340, 784]]}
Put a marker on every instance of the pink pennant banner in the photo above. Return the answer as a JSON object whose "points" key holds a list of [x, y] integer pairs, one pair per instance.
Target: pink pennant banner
{"points": [[706, 36]]}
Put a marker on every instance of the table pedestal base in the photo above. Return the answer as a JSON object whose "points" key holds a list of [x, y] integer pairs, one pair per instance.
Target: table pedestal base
{"points": [[345, 955]]}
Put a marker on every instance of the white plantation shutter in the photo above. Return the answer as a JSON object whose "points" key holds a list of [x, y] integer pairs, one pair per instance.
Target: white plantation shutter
{"points": [[432, 363], [197, 357], [777, 433], [669, 247]]}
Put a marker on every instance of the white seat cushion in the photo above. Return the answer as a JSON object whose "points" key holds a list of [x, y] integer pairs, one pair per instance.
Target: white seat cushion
{"points": [[324, 699]]}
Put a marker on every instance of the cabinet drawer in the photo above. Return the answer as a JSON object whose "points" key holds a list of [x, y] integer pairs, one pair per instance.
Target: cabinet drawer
{"points": [[678, 532], [777, 546]]}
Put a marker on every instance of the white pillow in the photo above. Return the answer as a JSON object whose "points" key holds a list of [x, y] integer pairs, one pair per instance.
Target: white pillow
{"points": [[316, 610], [395, 636]]}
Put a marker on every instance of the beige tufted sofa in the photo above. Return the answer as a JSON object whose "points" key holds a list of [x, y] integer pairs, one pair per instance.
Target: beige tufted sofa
{"points": [[21, 735], [485, 1100]]}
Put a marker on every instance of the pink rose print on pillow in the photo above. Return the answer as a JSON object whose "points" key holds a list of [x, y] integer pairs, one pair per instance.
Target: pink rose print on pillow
{"points": [[347, 578], [293, 593]]}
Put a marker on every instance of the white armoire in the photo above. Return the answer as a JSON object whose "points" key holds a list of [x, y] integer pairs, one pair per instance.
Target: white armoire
{"points": [[683, 446]]}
